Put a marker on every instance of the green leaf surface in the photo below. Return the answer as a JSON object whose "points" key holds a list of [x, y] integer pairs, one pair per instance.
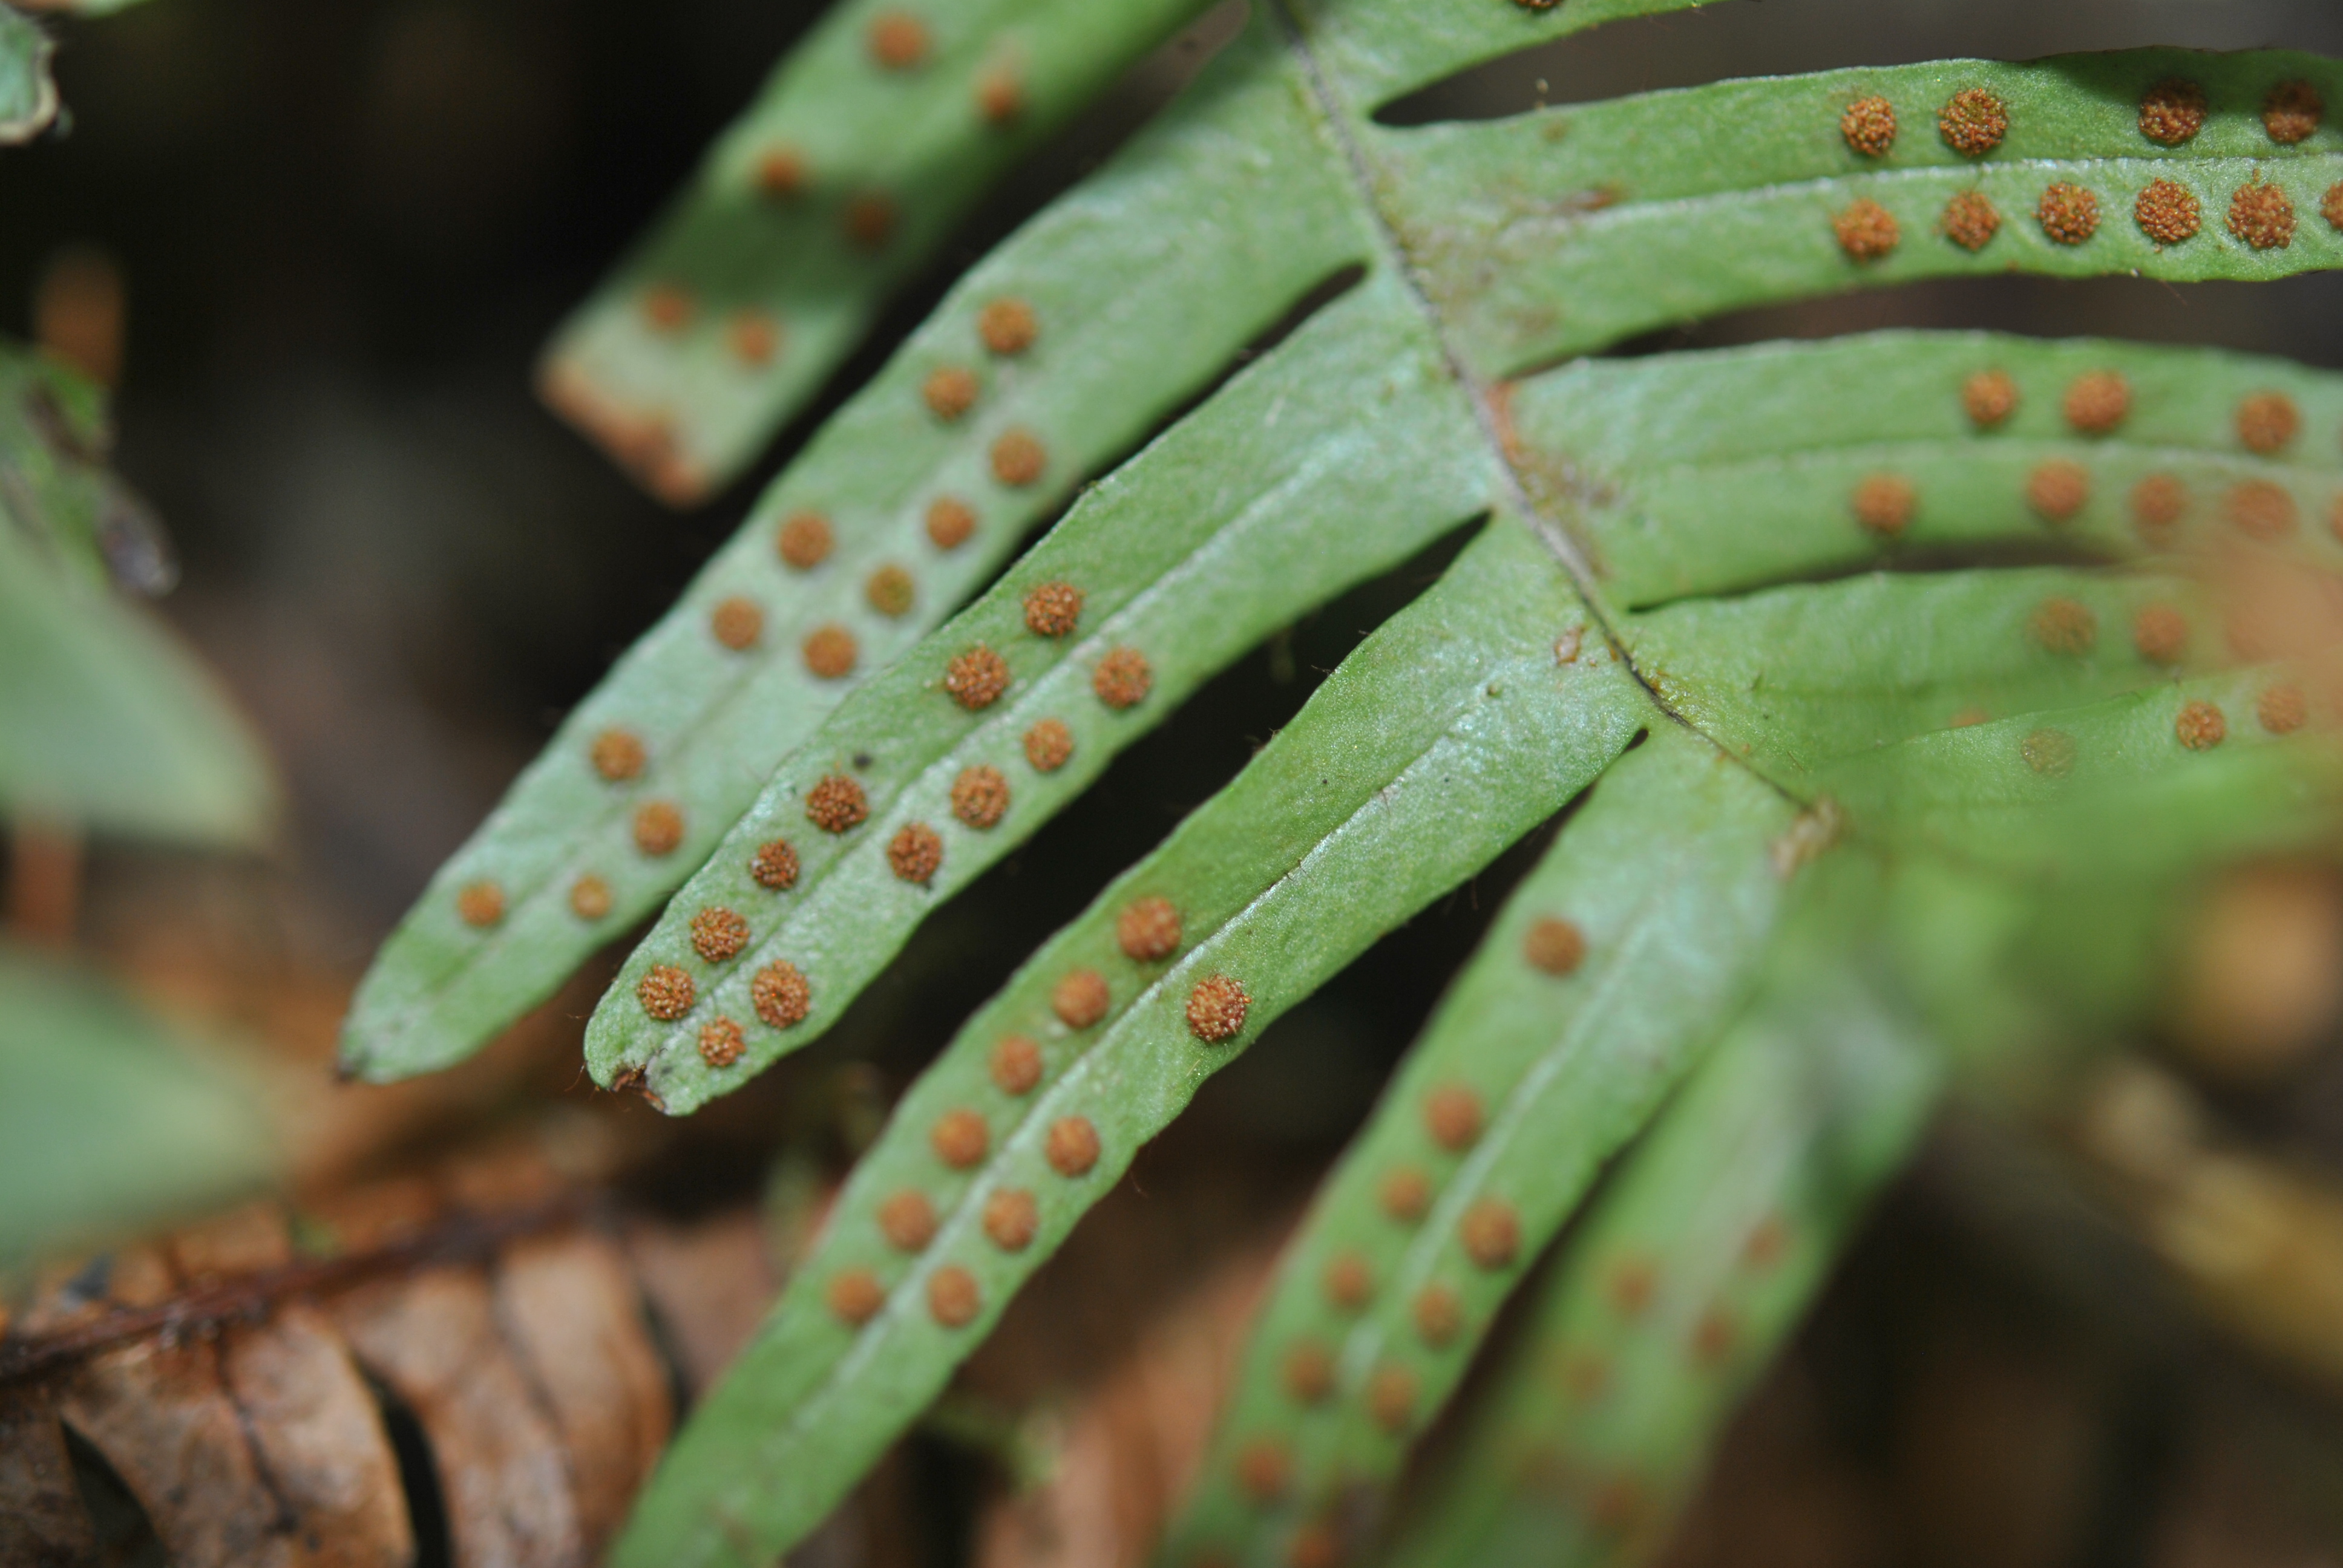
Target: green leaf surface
{"points": [[825, 197], [1525, 1083], [1712, 472], [28, 95], [1696, 1263], [1561, 231], [1378, 50], [106, 1119], [1444, 736], [1191, 554], [1134, 316]]}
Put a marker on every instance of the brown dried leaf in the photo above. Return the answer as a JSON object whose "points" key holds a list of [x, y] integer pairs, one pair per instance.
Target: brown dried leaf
{"points": [[42, 1524]]}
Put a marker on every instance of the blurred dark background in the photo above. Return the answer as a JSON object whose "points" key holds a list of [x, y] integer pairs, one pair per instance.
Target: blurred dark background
{"points": [[344, 230]]}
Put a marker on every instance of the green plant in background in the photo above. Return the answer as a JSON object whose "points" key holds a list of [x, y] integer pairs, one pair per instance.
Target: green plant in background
{"points": [[107, 725], [1908, 677]]}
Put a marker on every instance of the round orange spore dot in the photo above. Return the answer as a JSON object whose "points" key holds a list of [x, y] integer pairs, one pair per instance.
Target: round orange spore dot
{"points": [[781, 174], [1439, 1314], [1866, 231], [1072, 1146], [1308, 1373], [1019, 457], [1081, 998], [589, 897], [1869, 126], [1049, 746], [1989, 397], [960, 1138], [953, 1299], [908, 1221], [1216, 1009], [775, 866], [1452, 1114], [1973, 122], [1007, 325], [1768, 1244], [1555, 946], [2056, 490], [1011, 1219], [868, 219], [480, 904], [950, 391], [836, 804], [897, 40], [829, 651], [1405, 1194], [2262, 510], [1148, 930], [804, 541], [658, 827], [1318, 1545], [1492, 1232], [980, 796], [2267, 422], [950, 522], [1016, 1065], [2168, 212], [2097, 401], [2063, 626], [780, 995], [718, 934], [2200, 725], [2262, 217], [1633, 1286], [2070, 215], [855, 1296], [666, 307], [1347, 1282], [2160, 633], [2331, 206], [618, 754], [721, 1042], [1123, 678], [2049, 752], [1883, 504], [999, 97], [1970, 220], [916, 853], [665, 992], [2291, 113], [754, 338], [1391, 1398], [2172, 111], [736, 623], [1713, 1337], [977, 679], [2158, 502], [891, 591], [2282, 710], [1262, 1470], [1053, 610]]}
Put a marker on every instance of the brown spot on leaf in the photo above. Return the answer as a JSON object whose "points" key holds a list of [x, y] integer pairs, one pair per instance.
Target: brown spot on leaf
{"points": [[1081, 998], [666, 307], [953, 1299], [754, 338], [1439, 1314], [780, 995], [1492, 1232], [589, 897], [1011, 1219], [1016, 1065], [855, 1296], [1308, 1373], [1347, 1280], [2291, 112], [1866, 231], [658, 827], [829, 651], [2070, 215], [1633, 1284], [836, 804], [2331, 206], [1452, 1114], [736, 623], [1049, 745], [1019, 457], [891, 591], [1391, 1398], [2262, 217], [2158, 502], [775, 865], [1989, 397], [721, 1042], [2168, 212], [1007, 325], [781, 174], [804, 541], [1262, 1470], [1970, 220], [1072, 1146], [916, 853], [665, 992], [1405, 1194], [1869, 126], [2267, 422], [2063, 626], [1217, 1008], [980, 796], [950, 522], [2097, 401], [2200, 725], [1123, 677], [1883, 504], [1053, 610], [868, 220], [1713, 1337], [2058, 489], [1555, 946], [2172, 111], [1973, 122], [1000, 96], [480, 904], [950, 391], [2160, 633], [618, 754], [960, 1138], [897, 40], [977, 679], [1148, 930], [2049, 752], [908, 1221], [2262, 510], [2282, 710], [718, 934]]}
